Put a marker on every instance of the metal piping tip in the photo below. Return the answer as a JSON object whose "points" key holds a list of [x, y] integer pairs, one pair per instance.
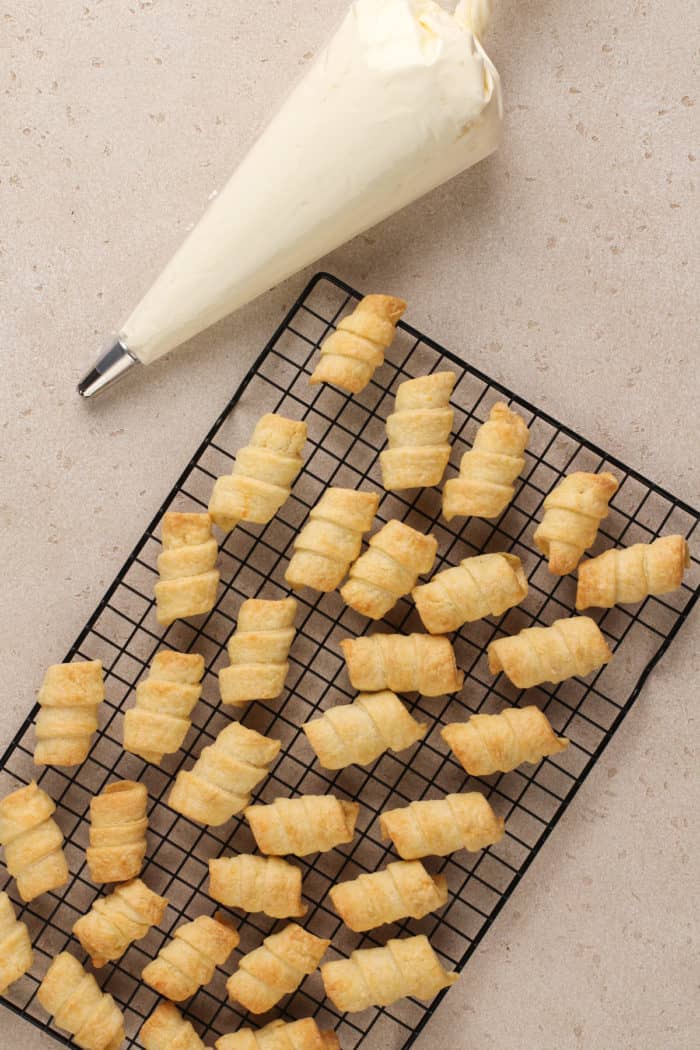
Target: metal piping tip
{"points": [[112, 365]]}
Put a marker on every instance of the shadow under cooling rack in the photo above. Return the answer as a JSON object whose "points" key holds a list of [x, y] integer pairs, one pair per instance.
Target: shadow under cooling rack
{"points": [[345, 437]]}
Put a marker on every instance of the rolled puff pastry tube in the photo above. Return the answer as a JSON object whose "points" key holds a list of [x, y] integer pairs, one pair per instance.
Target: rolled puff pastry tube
{"points": [[33, 842], [572, 647], [222, 779], [572, 513], [331, 539], [404, 889], [188, 961], [351, 355], [362, 731], [438, 827], [263, 474], [69, 699], [188, 577], [407, 966], [118, 825], [257, 884], [403, 663], [16, 955], [486, 585], [487, 473], [397, 555], [276, 968], [116, 921], [167, 1029], [160, 721], [304, 825], [259, 651], [499, 743], [621, 577], [297, 1035], [79, 1006], [418, 432]]}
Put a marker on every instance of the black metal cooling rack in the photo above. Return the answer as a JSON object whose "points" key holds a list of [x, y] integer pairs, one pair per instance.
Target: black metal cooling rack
{"points": [[345, 436]]}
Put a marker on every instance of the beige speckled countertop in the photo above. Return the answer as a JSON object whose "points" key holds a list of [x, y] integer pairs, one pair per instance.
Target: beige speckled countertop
{"points": [[562, 266]]}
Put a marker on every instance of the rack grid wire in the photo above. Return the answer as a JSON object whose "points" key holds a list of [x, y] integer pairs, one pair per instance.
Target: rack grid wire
{"points": [[345, 437]]}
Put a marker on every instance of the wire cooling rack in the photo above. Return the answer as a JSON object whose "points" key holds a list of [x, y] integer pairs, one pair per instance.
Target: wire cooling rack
{"points": [[345, 436]]}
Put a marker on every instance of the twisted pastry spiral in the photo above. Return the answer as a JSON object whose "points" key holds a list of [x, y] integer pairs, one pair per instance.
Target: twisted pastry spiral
{"points": [[441, 826], [331, 539], [263, 474], [489, 468], [498, 743], [550, 654], [300, 826], [79, 1006], [630, 575], [407, 966], [16, 955], [188, 579], [159, 722], [187, 962], [486, 585], [389, 568], [403, 663], [69, 698], [118, 825], [257, 884], [276, 968], [33, 842], [362, 731], [297, 1035], [403, 890], [221, 780], [351, 355], [418, 432], [258, 651], [116, 921], [167, 1029], [572, 513]]}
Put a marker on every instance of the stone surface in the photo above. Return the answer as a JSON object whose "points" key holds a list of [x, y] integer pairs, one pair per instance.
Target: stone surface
{"points": [[562, 266]]}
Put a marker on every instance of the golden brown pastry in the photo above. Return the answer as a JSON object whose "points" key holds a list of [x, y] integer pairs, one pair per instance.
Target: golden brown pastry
{"points": [[572, 513], [331, 539], [116, 921], [488, 470], [16, 955], [362, 731], [419, 433], [486, 585], [407, 966], [69, 698], [80, 1007], [167, 1029], [409, 663], [297, 1035], [263, 474], [300, 826], [221, 780], [389, 568], [550, 654], [404, 889], [257, 884], [276, 968], [187, 962], [441, 826], [188, 579], [632, 574], [498, 743], [258, 651], [351, 355], [159, 722], [33, 842], [118, 825]]}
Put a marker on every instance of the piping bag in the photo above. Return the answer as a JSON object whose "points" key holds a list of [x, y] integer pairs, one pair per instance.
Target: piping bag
{"points": [[401, 99]]}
